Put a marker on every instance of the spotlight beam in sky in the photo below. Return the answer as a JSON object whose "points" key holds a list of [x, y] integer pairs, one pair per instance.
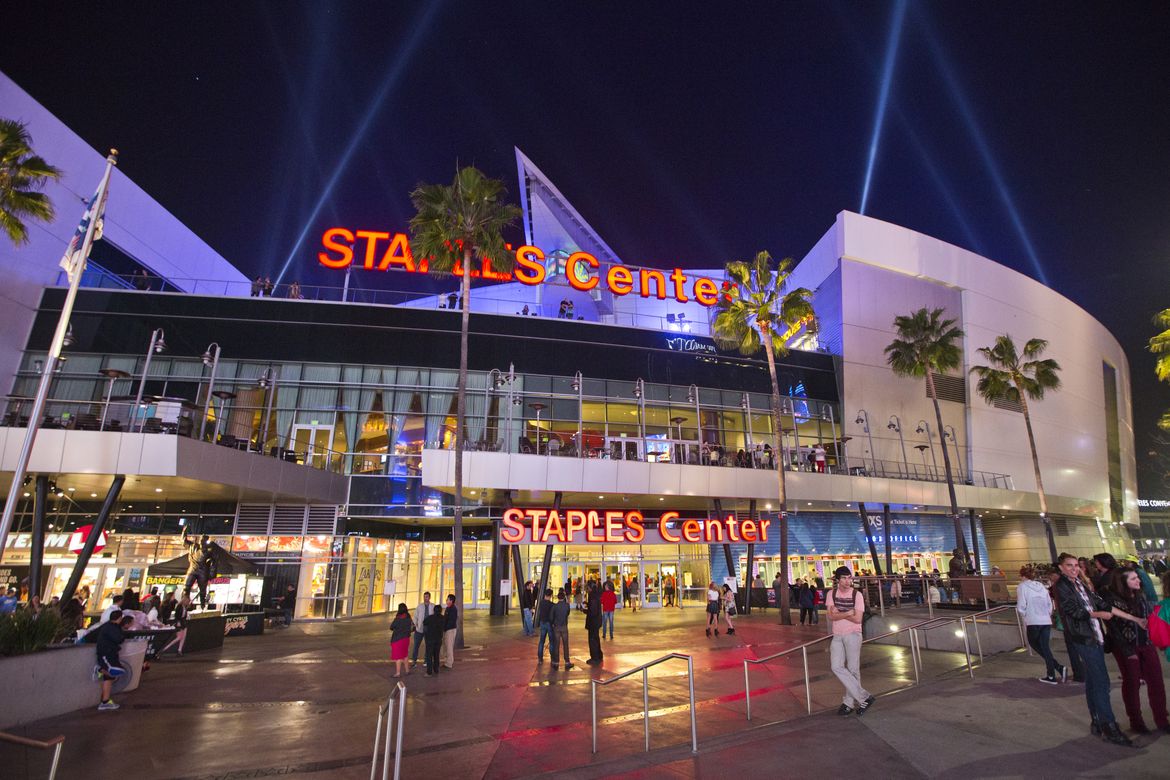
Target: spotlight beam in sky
{"points": [[984, 149], [883, 96], [393, 75]]}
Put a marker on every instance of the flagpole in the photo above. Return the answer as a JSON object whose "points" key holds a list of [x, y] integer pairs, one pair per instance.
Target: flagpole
{"points": [[95, 210]]}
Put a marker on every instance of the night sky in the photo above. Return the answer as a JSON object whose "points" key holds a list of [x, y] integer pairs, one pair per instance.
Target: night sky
{"points": [[1036, 134]]}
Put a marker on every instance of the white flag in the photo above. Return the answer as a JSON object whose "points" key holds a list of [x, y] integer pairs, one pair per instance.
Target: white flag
{"points": [[73, 261]]}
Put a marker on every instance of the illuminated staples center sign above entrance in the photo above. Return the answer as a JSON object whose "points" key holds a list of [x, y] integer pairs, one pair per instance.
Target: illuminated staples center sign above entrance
{"points": [[382, 251], [593, 526]]}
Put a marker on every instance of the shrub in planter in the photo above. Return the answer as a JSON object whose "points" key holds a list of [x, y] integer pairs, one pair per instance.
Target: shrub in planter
{"points": [[21, 632]]}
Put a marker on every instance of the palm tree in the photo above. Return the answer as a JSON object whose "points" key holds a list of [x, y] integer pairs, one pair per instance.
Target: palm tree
{"points": [[926, 346], [1160, 346], [752, 313], [22, 174], [1015, 378], [452, 225]]}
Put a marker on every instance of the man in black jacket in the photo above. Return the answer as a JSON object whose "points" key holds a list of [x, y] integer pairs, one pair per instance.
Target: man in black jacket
{"points": [[559, 614], [1081, 611], [450, 628], [593, 623], [109, 637], [544, 620], [527, 605]]}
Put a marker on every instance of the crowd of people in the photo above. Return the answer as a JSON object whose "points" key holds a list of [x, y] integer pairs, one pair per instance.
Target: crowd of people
{"points": [[262, 287]]}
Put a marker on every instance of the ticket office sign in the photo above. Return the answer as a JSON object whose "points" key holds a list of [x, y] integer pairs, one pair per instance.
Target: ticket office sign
{"points": [[593, 526]]}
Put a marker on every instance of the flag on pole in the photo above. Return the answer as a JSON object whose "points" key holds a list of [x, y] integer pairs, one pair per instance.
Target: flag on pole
{"points": [[72, 261]]}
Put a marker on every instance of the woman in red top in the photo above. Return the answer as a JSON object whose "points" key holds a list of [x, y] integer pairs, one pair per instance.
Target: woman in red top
{"points": [[608, 604]]}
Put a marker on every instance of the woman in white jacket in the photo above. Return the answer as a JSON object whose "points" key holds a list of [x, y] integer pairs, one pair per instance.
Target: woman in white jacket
{"points": [[1035, 607]]}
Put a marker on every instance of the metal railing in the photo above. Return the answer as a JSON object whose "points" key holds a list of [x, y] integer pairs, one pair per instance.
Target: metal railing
{"points": [[644, 669], [56, 743], [961, 632], [952, 590], [385, 714], [915, 656]]}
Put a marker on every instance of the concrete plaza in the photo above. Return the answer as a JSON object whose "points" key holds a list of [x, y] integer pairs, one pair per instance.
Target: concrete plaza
{"points": [[305, 700]]}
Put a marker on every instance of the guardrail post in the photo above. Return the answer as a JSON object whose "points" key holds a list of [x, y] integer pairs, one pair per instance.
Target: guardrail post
{"points": [[966, 646], [401, 724], [646, 707], [694, 723], [983, 584], [807, 684], [881, 598], [377, 740], [978, 641], [747, 690], [56, 760], [915, 655], [593, 693]]}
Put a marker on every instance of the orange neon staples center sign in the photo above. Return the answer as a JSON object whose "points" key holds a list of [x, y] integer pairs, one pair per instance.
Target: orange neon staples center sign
{"points": [[383, 251], [575, 526]]}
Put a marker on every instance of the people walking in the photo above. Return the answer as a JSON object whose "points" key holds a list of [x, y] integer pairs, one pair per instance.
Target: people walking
{"points": [[807, 601], [560, 626], [777, 587], [421, 613], [527, 606], [433, 630], [401, 628], [288, 604], [1081, 611], [544, 619], [1136, 656], [713, 602], [608, 605], [593, 623], [450, 628], [845, 607], [728, 597], [1035, 608]]}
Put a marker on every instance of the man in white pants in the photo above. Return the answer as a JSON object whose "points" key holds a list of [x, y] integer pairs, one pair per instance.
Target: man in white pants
{"points": [[846, 609]]}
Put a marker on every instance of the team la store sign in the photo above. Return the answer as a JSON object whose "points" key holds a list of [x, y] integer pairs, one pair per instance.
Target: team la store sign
{"points": [[577, 526], [384, 251]]}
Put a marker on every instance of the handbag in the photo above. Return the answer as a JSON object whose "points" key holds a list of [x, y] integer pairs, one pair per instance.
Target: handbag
{"points": [[1158, 628]]}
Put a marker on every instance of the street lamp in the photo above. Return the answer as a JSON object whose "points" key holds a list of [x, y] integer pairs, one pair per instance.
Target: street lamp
{"points": [[158, 344], [268, 380], [578, 385], [640, 394], [895, 424], [838, 444], [949, 430], [745, 403], [488, 386], [863, 421], [922, 448], [210, 358], [538, 408], [924, 427]]}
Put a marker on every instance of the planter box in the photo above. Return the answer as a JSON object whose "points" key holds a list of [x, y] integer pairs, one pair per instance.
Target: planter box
{"points": [[54, 682]]}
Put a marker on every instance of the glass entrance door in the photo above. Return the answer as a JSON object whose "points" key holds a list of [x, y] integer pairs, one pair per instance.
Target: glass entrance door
{"points": [[477, 585], [312, 444]]}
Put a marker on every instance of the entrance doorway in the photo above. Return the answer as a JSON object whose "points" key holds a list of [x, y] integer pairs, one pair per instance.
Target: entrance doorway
{"points": [[312, 444], [477, 585]]}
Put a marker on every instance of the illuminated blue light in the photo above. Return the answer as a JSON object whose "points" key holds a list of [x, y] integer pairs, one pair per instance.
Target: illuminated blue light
{"points": [[883, 96]]}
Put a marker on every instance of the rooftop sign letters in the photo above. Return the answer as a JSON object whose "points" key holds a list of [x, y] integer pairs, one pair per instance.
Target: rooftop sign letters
{"points": [[574, 526], [383, 251]]}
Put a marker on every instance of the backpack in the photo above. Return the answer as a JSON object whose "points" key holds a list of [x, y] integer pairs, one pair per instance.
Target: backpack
{"points": [[1158, 628]]}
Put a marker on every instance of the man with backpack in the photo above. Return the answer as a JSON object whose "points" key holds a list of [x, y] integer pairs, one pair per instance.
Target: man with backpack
{"points": [[845, 608]]}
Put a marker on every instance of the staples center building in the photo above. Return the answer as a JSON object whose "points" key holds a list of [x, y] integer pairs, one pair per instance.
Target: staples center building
{"points": [[607, 434]]}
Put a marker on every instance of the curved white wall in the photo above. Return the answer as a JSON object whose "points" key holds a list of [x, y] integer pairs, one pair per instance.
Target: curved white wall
{"points": [[880, 270]]}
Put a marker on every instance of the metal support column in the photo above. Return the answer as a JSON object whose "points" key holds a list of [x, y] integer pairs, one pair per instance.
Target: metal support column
{"points": [[548, 552], [98, 526], [36, 553], [889, 548], [974, 540], [726, 546], [877, 565], [751, 559]]}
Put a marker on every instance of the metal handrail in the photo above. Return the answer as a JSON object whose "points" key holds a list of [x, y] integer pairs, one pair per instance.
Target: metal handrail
{"points": [[56, 743], [646, 696], [803, 648], [939, 622], [399, 690]]}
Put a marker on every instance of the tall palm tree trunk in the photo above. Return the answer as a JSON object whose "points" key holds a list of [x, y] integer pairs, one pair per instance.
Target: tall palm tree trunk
{"points": [[460, 404], [782, 596], [1039, 480], [960, 538]]}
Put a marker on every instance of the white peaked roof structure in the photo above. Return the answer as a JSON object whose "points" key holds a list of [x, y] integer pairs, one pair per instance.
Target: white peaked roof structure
{"points": [[551, 222]]}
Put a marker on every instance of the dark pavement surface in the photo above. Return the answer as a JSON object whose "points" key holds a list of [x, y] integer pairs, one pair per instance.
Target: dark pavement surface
{"points": [[304, 701]]}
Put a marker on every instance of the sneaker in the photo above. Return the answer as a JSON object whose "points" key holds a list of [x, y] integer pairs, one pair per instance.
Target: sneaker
{"points": [[865, 705], [108, 705], [1048, 680], [844, 709], [568, 667]]}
